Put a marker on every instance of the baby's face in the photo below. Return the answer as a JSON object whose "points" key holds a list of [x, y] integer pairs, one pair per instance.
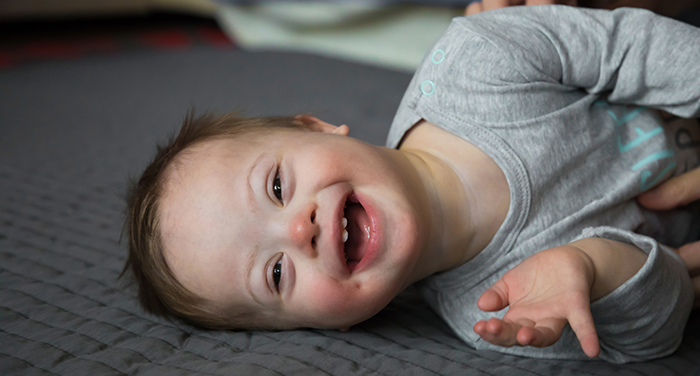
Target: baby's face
{"points": [[260, 223]]}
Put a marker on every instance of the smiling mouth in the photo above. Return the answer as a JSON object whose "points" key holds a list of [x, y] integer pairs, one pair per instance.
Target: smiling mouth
{"points": [[358, 229]]}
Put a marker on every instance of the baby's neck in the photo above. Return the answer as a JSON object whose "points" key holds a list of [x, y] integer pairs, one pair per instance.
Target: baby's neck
{"points": [[471, 193]]}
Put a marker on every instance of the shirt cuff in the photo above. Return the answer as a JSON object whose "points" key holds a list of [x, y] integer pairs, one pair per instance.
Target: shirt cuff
{"points": [[644, 318]]}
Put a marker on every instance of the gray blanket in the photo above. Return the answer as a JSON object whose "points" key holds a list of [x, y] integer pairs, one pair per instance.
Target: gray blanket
{"points": [[70, 134]]}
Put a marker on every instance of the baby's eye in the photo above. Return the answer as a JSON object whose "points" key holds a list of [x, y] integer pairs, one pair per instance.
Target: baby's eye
{"points": [[277, 187], [277, 273]]}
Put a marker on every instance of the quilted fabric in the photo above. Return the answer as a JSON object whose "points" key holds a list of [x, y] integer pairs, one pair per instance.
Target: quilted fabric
{"points": [[70, 134]]}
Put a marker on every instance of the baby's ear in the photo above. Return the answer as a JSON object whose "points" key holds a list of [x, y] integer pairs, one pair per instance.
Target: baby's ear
{"points": [[318, 125]]}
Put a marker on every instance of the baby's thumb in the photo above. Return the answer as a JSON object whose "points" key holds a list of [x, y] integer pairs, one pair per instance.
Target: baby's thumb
{"points": [[581, 322], [494, 299]]}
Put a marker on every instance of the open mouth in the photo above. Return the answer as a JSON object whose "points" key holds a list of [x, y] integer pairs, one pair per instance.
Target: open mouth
{"points": [[356, 234]]}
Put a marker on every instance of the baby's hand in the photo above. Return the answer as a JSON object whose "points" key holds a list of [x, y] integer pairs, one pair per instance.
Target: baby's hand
{"points": [[544, 292]]}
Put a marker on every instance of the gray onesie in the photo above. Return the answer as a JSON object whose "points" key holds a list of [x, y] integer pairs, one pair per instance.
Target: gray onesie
{"points": [[558, 97]]}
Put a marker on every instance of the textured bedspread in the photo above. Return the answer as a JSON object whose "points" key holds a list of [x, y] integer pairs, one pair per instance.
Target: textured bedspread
{"points": [[70, 134]]}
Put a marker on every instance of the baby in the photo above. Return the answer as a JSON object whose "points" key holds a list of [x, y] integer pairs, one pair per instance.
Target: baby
{"points": [[506, 192]]}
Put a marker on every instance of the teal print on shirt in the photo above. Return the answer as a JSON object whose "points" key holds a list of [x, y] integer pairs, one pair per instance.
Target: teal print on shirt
{"points": [[642, 136]]}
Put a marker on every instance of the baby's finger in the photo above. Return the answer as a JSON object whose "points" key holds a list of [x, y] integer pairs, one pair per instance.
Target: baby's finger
{"points": [[480, 327], [541, 2], [498, 332], [495, 4], [474, 8], [495, 298], [690, 253], [545, 333], [581, 322]]}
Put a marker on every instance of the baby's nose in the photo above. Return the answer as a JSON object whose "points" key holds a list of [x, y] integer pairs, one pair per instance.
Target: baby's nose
{"points": [[303, 229]]}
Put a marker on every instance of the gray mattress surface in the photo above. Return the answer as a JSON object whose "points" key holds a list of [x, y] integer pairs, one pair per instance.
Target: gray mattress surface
{"points": [[71, 132]]}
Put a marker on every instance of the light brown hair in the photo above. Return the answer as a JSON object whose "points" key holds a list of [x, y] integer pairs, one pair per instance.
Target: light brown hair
{"points": [[160, 293]]}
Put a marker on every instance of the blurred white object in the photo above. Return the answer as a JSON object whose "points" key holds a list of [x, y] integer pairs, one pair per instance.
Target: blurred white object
{"points": [[394, 36]]}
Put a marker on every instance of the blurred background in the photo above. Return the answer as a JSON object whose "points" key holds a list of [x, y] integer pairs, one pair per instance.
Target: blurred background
{"points": [[388, 33]]}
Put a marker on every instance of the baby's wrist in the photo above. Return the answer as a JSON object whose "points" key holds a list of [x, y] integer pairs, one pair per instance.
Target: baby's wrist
{"points": [[612, 263], [589, 271]]}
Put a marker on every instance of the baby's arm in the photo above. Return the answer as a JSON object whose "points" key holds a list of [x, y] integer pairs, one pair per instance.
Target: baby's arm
{"points": [[554, 287], [631, 56], [641, 319], [614, 263]]}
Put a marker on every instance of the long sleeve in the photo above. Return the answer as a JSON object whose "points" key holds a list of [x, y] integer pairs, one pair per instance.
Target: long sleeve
{"points": [[635, 56]]}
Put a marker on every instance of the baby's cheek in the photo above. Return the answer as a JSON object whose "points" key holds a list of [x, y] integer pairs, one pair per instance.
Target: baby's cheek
{"points": [[329, 298], [336, 304]]}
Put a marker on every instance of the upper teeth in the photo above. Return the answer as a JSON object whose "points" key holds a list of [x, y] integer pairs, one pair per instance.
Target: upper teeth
{"points": [[345, 231]]}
